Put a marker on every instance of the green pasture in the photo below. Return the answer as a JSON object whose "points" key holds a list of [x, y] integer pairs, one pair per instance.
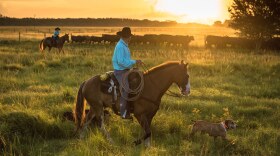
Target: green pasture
{"points": [[240, 84]]}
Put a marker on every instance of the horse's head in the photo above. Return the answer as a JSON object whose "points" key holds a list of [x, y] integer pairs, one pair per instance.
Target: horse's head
{"points": [[182, 79], [66, 37], [191, 38]]}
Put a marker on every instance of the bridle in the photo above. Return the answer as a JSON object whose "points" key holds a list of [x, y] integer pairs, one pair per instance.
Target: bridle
{"points": [[171, 93], [64, 38]]}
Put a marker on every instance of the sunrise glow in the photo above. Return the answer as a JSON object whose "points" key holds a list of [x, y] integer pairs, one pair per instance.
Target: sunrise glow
{"points": [[203, 11], [199, 11]]}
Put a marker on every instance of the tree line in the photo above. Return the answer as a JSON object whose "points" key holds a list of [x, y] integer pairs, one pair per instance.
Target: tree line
{"points": [[256, 19], [102, 22]]}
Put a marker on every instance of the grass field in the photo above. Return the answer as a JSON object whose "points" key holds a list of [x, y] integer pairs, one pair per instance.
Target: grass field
{"points": [[231, 83]]}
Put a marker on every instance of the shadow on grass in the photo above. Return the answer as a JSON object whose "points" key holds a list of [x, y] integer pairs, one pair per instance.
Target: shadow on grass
{"points": [[19, 129]]}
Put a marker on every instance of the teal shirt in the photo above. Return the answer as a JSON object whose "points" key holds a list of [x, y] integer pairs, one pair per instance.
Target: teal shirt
{"points": [[56, 33], [121, 57]]}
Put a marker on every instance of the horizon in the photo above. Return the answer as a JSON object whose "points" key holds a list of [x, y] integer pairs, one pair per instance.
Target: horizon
{"points": [[195, 23], [180, 11]]}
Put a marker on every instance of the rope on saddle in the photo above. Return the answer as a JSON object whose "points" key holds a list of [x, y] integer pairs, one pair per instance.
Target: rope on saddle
{"points": [[124, 86]]}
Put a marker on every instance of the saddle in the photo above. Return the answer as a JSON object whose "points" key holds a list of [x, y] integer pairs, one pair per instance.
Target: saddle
{"points": [[54, 41], [109, 83], [110, 86]]}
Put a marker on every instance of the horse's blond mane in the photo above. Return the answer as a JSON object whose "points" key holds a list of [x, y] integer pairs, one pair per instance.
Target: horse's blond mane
{"points": [[163, 65]]}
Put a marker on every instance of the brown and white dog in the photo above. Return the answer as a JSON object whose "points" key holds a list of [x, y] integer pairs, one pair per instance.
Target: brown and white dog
{"points": [[213, 129]]}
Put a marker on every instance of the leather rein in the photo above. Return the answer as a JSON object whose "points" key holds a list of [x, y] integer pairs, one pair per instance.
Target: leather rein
{"points": [[171, 93]]}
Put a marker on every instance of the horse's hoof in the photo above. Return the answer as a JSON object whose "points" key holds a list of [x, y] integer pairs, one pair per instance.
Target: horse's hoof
{"points": [[111, 141], [147, 143], [82, 136]]}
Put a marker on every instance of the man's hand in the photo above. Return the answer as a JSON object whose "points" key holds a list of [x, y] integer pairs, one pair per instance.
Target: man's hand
{"points": [[139, 62]]}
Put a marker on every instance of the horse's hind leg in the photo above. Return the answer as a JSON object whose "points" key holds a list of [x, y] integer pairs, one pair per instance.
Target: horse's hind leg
{"points": [[89, 117], [50, 48], [104, 131], [43, 51], [98, 112], [61, 50], [44, 47]]}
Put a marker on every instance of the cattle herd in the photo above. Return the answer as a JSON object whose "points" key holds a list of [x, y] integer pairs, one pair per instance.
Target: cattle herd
{"points": [[175, 40], [180, 40], [236, 42]]}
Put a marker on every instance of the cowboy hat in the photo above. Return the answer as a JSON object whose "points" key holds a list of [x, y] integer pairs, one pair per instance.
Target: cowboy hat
{"points": [[126, 32], [57, 28]]}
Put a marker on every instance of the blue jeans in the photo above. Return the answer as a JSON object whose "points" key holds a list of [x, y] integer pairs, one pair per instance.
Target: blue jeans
{"points": [[119, 76]]}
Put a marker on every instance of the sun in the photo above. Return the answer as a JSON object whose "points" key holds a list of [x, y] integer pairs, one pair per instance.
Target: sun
{"points": [[203, 11]]}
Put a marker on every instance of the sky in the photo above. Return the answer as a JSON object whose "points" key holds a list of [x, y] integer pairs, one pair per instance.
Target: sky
{"points": [[184, 11]]}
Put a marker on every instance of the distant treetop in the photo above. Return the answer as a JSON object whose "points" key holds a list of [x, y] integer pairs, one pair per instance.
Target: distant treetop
{"points": [[7, 21]]}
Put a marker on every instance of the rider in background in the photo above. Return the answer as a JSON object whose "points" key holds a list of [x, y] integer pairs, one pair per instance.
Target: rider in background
{"points": [[122, 63], [56, 35]]}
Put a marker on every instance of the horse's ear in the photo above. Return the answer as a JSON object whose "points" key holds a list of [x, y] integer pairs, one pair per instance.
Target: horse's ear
{"points": [[183, 62]]}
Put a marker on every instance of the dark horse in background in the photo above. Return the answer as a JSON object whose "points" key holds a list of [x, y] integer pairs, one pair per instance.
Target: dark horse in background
{"points": [[48, 42], [157, 80]]}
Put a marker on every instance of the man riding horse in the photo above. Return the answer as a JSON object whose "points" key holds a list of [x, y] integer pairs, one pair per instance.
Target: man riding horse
{"points": [[54, 41], [157, 81], [121, 64], [55, 36]]}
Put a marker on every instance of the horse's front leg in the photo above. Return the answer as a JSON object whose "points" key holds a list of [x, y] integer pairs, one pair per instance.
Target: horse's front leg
{"points": [[59, 50], [145, 122]]}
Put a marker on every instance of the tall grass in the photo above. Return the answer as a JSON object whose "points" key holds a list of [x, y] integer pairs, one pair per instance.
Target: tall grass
{"points": [[230, 83]]}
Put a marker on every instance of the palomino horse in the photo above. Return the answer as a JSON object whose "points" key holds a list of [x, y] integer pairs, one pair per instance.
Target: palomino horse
{"points": [[157, 80], [47, 42]]}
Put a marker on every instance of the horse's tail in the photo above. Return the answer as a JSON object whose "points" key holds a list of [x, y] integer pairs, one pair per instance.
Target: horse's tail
{"points": [[79, 112], [41, 46]]}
